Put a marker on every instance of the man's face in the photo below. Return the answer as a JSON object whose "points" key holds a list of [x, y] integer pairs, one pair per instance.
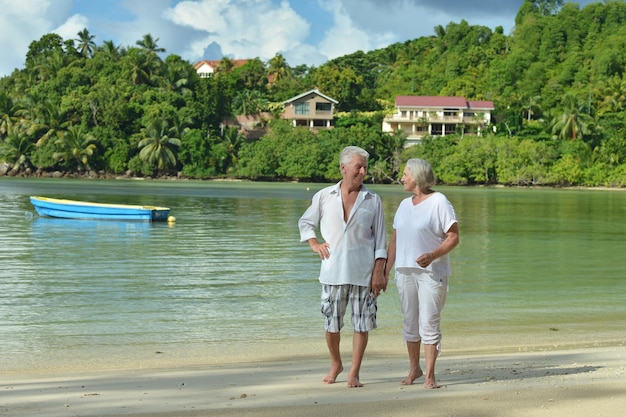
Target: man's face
{"points": [[355, 171]]}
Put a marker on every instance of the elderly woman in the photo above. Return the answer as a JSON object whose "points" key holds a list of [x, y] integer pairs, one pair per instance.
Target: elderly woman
{"points": [[425, 230]]}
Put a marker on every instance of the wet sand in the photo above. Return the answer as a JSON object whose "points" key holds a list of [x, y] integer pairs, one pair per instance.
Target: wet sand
{"points": [[577, 382]]}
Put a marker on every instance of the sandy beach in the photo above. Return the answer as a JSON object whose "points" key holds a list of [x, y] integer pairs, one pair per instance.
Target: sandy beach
{"points": [[569, 382]]}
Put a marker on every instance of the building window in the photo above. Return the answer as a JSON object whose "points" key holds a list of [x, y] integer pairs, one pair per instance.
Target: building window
{"points": [[323, 107], [302, 108], [436, 129]]}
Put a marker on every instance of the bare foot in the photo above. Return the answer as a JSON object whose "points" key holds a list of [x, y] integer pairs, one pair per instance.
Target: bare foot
{"points": [[353, 382], [431, 384], [332, 375], [412, 376]]}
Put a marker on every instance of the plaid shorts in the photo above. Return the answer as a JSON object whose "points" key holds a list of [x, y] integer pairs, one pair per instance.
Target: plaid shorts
{"points": [[335, 299]]}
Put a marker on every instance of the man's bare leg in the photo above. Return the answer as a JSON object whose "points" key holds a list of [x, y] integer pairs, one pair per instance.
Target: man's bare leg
{"points": [[359, 343], [430, 352], [415, 371], [336, 366]]}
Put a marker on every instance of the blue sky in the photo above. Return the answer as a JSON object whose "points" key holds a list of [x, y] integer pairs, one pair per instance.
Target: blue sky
{"points": [[303, 31]]}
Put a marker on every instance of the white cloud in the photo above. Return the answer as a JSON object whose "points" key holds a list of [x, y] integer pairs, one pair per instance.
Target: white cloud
{"points": [[262, 28], [395, 21], [242, 28], [70, 28], [412, 19], [149, 19], [345, 37], [21, 22]]}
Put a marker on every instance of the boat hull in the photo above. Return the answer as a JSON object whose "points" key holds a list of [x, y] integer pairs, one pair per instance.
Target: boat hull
{"points": [[71, 209]]}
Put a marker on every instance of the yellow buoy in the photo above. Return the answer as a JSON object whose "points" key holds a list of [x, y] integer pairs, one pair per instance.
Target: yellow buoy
{"points": [[171, 219]]}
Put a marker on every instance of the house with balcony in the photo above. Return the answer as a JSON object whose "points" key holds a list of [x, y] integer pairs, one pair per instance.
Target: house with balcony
{"points": [[311, 109], [420, 116]]}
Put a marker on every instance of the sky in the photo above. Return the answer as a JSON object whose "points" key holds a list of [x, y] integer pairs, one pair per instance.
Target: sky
{"points": [[304, 31]]}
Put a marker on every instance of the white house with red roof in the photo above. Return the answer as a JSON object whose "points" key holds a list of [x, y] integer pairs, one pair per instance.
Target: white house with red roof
{"points": [[419, 116], [206, 68]]}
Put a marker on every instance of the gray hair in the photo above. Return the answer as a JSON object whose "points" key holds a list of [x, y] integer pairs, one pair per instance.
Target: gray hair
{"points": [[349, 152], [422, 173]]}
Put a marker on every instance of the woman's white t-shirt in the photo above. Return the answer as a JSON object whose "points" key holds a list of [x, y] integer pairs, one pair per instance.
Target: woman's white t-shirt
{"points": [[420, 229]]}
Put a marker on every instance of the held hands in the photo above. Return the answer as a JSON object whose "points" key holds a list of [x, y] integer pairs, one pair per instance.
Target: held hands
{"points": [[379, 283], [380, 277]]}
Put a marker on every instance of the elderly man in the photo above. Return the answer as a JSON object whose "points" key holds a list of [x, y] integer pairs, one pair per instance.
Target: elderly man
{"points": [[353, 254]]}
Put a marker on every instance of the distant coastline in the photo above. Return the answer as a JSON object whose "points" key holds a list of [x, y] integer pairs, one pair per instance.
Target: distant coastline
{"points": [[101, 175]]}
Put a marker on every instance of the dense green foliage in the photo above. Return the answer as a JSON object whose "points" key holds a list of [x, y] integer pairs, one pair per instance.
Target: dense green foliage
{"points": [[558, 84]]}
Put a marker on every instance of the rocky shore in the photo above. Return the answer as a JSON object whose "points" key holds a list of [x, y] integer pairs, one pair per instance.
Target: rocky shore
{"points": [[7, 170]]}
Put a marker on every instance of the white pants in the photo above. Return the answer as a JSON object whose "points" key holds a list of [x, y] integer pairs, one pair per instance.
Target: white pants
{"points": [[422, 297]]}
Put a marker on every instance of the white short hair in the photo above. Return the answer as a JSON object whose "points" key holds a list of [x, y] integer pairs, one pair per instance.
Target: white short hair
{"points": [[349, 152]]}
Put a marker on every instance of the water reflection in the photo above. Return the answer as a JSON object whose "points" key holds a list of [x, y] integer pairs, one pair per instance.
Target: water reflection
{"points": [[231, 273]]}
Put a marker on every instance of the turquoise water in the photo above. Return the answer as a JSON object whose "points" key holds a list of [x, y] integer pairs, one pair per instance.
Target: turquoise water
{"points": [[536, 269]]}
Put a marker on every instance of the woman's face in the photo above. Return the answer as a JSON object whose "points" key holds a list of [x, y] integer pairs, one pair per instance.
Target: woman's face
{"points": [[408, 181]]}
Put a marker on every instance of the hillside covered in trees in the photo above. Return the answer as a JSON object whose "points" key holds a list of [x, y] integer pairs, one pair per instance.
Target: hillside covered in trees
{"points": [[557, 82]]}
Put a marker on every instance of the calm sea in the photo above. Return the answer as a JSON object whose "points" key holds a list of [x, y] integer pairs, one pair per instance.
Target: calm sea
{"points": [[229, 281]]}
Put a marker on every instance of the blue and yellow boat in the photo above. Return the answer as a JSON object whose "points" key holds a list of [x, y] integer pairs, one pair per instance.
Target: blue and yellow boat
{"points": [[71, 209]]}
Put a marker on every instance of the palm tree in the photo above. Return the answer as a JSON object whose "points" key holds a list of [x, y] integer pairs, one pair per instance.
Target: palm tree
{"points": [[278, 69], [533, 103], [48, 65], [76, 145], [7, 114], [141, 65], [393, 57], [86, 45], [232, 141], [49, 118], [157, 149], [440, 32], [145, 62], [29, 113], [150, 44], [178, 75], [613, 95], [180, 125], [397, 142], [111, 49], [249, 102], [16, 149], [574, 122]]}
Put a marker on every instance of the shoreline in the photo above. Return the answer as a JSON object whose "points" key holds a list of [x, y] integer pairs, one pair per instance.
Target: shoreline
{"points": [[178, 177], [385, 343], [562, 382]]}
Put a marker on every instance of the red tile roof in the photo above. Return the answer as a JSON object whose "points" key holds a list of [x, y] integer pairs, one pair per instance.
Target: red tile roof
{"points": [[443, 102], [214, 63], [482, 105]]}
